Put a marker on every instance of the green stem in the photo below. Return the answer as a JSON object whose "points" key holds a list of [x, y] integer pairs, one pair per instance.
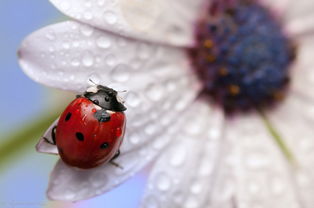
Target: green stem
{"points": [[27, 135], [278, 139]]}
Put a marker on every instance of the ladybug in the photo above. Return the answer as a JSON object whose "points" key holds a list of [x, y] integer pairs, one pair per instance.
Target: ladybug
{"points": [[91, 129]]}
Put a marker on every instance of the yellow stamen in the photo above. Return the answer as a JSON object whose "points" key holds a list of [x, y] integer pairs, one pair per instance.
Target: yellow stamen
{"points": [[223, 71], [234, 90], [208, 43], [278, 95], [211, 58]]}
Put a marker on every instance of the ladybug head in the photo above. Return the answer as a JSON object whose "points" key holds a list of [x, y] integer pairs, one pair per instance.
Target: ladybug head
{"points": [[105, 97]]}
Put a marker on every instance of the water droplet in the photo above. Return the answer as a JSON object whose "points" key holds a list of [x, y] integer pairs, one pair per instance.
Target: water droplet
{"points": [[75, 62], [145, 51], [206, 169], [303, 180], [163, 182], [136, 63], [171, 85], [196, 188], [75, 44], [95, 177], [150, 202], [132, 99], [101, 2], [103, 42], [277, 186], [122, 42], [110, 60], [194, 128], [154, 92], [53, 67], [69, 195], [51, 35], [65, 6], [66, 45], [86, 30], [51, 49], [88, 16], [110, 17], [135, 138], [60, 73], [72, 77], [88, 59], [178, 197], [214, 133], [257, 160], [150, 129], [178, 156], [160, 143], [121, 73], [192, 202]]}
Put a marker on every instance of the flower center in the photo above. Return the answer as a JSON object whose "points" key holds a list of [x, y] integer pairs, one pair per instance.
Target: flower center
{"points": [[242, 55]]}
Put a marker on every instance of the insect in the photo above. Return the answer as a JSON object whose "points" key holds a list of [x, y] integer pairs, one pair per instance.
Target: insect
{"points": [[91, 128]]}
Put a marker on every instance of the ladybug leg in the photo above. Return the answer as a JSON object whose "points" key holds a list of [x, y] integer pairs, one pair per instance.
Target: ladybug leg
{"points": [[53, 136], [114, 163], [102, 115], [116, 155]]}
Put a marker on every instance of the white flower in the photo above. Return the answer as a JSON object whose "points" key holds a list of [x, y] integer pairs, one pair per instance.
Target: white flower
{"points": [[205, 158]]}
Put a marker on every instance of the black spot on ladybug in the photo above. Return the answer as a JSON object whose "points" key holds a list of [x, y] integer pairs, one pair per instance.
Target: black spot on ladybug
{"points": [[79, 136], [104, 145], [68, 116], [102, 115]]}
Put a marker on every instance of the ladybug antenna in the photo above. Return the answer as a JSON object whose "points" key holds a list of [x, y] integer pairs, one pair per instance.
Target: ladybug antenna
{"points": [[91, 81], [122, 91]]}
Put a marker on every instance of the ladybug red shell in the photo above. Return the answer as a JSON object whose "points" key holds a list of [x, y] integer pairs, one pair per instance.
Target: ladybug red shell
{"points": [[91, 129]]}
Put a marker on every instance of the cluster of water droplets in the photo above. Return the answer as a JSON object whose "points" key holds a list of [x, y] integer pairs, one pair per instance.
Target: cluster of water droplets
{"points": [[137, 19], [182, 175]]}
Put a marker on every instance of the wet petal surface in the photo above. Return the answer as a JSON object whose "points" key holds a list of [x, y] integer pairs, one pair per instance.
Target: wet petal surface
{"points": [[162, 21], [182, 176]]}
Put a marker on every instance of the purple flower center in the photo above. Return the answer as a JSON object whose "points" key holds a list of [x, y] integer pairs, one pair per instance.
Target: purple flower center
{"points": [[242, 55]]}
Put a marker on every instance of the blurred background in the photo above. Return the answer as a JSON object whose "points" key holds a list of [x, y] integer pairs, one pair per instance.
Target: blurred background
{"points": [[26, 110]]}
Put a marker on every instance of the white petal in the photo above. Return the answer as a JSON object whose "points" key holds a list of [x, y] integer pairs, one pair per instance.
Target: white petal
{"points": [[296, 16], [182, 175], [253, 172], [157, 20], [301, 27], [298, 9], [294, 120], [68, 54], [279, 6], [299, 18], [72, 184], [303, 73], [158, 79], [45, 144]]}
